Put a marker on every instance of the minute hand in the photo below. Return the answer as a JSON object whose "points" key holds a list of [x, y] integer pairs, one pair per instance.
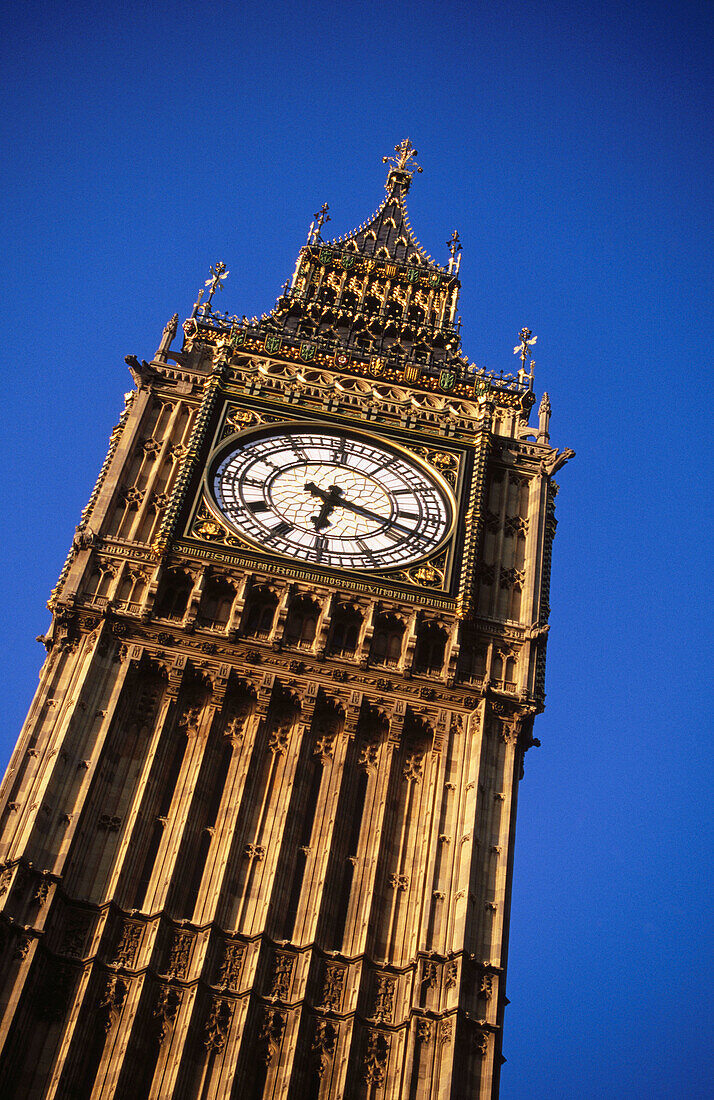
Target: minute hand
{"points": [[344, 503]]}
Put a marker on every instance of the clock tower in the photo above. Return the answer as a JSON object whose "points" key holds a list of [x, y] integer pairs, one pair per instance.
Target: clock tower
{"points": [[256, 837]]}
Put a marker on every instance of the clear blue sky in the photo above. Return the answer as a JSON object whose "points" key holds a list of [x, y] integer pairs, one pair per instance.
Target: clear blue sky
{"points": [[571, 145]]}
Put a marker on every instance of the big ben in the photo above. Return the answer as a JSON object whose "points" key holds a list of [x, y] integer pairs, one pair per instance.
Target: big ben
{"points": [[257, 833]]}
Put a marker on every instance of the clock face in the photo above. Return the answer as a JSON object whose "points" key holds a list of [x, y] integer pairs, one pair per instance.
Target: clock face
{"points": [[331, 497]]}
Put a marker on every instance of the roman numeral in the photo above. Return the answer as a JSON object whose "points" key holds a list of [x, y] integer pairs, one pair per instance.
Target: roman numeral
{"points": [[280, 531], [339, 455], [364, 549]]}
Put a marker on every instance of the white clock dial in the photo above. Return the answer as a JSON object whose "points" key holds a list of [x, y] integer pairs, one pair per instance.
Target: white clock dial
{"points": [[331, 497]]}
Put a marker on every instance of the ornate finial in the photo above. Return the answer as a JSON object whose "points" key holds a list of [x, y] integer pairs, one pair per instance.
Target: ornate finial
{"points": [[524, 350], [321, 217], [167, 336], [454, 246], [544, 411], [402, 169], [218, 274]]}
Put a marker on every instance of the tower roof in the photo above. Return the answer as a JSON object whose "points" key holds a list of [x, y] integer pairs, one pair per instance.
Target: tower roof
{"points": [[388, 234], [369, 302]]}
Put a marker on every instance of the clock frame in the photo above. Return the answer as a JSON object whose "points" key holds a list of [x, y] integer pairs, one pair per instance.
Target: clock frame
{"points": [[392, 509]]}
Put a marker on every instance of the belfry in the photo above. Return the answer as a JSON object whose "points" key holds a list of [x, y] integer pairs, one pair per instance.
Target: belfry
{"points": [[256, 836]]}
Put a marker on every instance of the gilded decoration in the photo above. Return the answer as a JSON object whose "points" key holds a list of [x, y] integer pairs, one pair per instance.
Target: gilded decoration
{"points": [[205, 526], [445, 462]]}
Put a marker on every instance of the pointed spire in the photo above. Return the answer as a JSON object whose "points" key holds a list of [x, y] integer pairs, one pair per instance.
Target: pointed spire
{"points": [[167, 337], [402, 169], [544, 411]]}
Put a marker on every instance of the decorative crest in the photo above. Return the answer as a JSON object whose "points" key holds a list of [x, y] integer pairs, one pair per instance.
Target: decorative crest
{"points": [[321, 217], [402, 168], [454, 246], [524, 350]]}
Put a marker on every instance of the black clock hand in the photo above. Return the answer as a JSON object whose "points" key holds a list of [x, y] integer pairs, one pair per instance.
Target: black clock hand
{"points": [[334, 498], [329, 500], [352, 507]]}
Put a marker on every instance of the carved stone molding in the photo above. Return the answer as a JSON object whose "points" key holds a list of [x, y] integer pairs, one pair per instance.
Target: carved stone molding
{"points": [[179, 954], [429, 974], [332, 987], [218, 1024], [424, 1031], [231, 964], [128, 944], [383, 1002], [74, 935], [112, 1001], [323, 1044], [270, 1033], [376, 1056], [446, 1030], [413, 769], [168, 1002], [283, 965], [451, 974]]}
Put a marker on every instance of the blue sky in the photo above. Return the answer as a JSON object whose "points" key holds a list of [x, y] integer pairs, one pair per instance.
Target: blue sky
{"points": [[570, 145]]}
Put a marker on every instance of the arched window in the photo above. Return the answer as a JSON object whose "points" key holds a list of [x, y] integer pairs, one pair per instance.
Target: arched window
{"points": [[387, 640], [301, 622], [346, 622], [125, 589], [430, 646], [259, 614], [174, 594], [217, 602]]}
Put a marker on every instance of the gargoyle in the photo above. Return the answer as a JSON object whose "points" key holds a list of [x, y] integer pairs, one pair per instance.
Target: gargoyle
{"points": [[551, 465], [142, 372]]}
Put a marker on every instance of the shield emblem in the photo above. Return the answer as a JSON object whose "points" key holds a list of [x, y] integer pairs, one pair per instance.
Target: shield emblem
{"points": [[348, 260], [412, 275], [447, 379], [341, 359], [390, 270], [307, 352], [411, 373], [377, 364], [272, 343], [481, 387], [237, 337], [325, 256], [434, 280]]}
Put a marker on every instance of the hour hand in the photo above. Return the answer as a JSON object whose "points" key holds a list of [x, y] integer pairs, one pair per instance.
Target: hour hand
{"points": [[329, 500]]}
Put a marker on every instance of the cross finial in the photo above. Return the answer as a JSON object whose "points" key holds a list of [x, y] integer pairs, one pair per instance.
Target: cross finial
{"points": [[524, 351], [214, 282], [320, 218], [402, 162], [454, 246]]}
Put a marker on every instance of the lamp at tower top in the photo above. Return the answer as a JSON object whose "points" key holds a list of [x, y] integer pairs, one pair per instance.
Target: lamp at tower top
{"points": [[403, 165]]}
